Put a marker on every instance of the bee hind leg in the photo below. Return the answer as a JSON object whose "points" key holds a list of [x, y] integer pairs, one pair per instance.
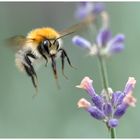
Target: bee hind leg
{"points": [[30, 71]]}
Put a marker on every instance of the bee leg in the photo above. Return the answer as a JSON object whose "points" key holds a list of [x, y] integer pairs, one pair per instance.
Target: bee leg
{"points": [[28, 61], [31, 72], [63, 62], [40, 49], [55, 71], [65, 54], [54, 68]]}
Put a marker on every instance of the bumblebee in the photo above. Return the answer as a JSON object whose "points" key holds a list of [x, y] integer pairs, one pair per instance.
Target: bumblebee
{"points": [[41, 43]]}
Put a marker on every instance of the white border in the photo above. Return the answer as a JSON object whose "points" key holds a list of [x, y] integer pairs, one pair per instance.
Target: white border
{"points": [[69, 0]]}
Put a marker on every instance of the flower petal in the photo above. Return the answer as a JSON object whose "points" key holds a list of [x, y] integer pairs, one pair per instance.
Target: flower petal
{"points": [[116, 45], [103, 37], [130, 85], [113, 123], [116, 48], [81, 42], [120, 110], [83, 10], [96, 113], [117, 98], [119, 38], [83, 103], [98, 101], [86, 84], [130, 99], [107, 108], [98, 7]]}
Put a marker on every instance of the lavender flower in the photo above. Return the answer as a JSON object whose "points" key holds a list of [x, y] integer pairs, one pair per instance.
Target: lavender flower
{"points": [[120, 110], [98, 7], [129, 99], [85, 9], [105, 45], [129, 85], [86, 84], [103, 37], [96, 113], [107, 108], [98, 101], [113, 123], [83, 103], [109, 111], [81, 42], [108, 44], [117, 98]]}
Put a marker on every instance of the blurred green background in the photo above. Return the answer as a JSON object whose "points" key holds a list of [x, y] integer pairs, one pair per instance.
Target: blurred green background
{"points": [[53, 113]]}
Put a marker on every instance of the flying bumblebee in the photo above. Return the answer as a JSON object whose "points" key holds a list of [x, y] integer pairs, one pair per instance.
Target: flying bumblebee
{"points": [[41, 43]]}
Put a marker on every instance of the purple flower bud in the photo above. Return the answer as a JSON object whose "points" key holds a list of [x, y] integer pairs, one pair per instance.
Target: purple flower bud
{"points": [[117, 98], [98, 7], [120, 98], [86, 84], [81, 42], [130, 85], [98, 101], [113, 123], [116, 48], [116, 44], [96, 113], [107, 108], [119, 38], [84, 9], [120, 110], [103, 37]]}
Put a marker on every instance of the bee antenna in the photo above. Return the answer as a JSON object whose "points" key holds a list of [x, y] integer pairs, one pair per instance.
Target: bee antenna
{"points": [[64, 35]]}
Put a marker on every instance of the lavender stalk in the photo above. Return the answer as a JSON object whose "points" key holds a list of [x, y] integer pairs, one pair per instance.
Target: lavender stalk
{"points": [[108, 106]]}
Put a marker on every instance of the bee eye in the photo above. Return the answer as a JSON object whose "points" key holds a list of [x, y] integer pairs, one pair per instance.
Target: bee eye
{"points": [[46, 43]]}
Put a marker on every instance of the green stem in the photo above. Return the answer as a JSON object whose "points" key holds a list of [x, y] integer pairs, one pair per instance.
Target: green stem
{"points": [[113, 133], [104, 74], [104, 78], [106, 85]]}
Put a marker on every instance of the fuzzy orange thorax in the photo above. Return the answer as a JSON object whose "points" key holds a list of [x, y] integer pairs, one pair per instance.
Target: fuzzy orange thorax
{"points": [[41, 33]]}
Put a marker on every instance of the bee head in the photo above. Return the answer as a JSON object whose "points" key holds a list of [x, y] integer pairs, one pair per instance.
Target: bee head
{"points": [[51, 46]]}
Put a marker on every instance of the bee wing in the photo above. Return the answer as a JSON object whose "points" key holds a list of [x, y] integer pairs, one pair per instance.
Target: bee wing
{"points": [[15, 42], [76, 27]]}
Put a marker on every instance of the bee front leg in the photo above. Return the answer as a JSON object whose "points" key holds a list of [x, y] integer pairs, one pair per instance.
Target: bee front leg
{"points": [[54, 67], [55, 71], [40, 49], [63, 52], [63, 55]]}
